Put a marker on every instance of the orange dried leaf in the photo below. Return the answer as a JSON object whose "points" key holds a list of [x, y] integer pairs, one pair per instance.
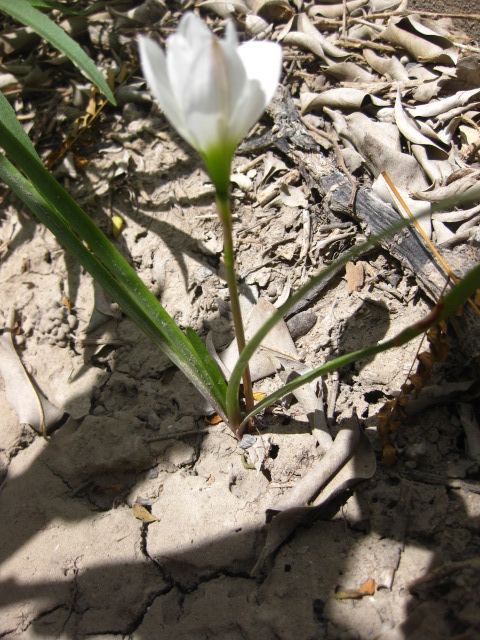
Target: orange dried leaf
{"points": [[368, 587]]}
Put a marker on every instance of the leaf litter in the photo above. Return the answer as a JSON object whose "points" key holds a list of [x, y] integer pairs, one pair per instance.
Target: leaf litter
{"points": [[396, 93]]}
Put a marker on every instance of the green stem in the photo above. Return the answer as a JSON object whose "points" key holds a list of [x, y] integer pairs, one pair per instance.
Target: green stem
{"points": [[223, 208]]}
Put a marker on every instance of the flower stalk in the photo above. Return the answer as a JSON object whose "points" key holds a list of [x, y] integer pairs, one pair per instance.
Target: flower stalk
{"points": [[224, 212], [213, 91]]}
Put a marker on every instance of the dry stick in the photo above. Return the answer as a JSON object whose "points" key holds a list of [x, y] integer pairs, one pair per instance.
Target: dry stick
{"points": [[433, 14], [426, 238]]}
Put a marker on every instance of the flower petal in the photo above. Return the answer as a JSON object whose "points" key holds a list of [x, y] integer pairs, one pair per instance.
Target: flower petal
{"points": [[155, 71], [194, 30], [231, 38], [248, 110], [217, 83], [262, 62]]}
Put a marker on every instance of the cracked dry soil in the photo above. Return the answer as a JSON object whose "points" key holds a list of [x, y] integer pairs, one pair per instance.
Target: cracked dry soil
{"points": [[75, 561]]}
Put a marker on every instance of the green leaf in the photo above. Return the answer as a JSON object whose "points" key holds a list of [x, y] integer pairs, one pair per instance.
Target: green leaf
{"points": [[25, 13], [71, 225]]}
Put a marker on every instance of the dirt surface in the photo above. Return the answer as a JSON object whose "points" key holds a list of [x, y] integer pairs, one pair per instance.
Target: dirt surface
{"points": [[398, 557]]}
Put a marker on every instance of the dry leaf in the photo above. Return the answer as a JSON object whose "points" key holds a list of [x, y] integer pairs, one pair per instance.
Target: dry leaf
{"points": [[255, 25], [468, 70], [355, 276], [140, 512], [445, 104], [420, 41], [341, 98], [348, 71], [259, 451], [379, 144], [456, 187], [305, 41], [271, 9], [366, 589], [305, 25], [390, 67], [31, 405], [409, 128]]}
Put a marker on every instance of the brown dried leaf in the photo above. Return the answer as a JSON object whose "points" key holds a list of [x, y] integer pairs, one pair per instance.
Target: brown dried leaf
{"points": [[348, 71], [390, 67], [409, 128], [420, 41], [271, 9], [255, 25], [305, 25], [341, 98], [444, 105], [140, 512], [305, 41], [31, 405], [355, 276]]}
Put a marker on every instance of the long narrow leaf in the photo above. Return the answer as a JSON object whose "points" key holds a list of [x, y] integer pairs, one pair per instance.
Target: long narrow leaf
{"points": [[445, 308], [25, 13], [112, 270]]}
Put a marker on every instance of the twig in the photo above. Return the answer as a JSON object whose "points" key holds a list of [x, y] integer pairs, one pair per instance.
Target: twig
{"points": [[178, 434]]}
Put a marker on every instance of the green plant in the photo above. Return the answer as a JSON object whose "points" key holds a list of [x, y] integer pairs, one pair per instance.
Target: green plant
{"points": [[23, 171]]}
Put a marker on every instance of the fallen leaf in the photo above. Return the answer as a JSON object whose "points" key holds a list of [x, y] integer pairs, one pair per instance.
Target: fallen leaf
{"points": [[355, 276], [420, 41], [349, 72], [390, 67], [341, 98], [31, 405], [140, 512]]}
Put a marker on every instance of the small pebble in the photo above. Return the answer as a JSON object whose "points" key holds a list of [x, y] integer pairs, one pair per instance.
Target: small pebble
{"points": [[301, 324], [272, 291]]}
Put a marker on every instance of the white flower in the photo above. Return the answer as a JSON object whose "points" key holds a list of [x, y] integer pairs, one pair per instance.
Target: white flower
{"points": [[212, 91]]}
